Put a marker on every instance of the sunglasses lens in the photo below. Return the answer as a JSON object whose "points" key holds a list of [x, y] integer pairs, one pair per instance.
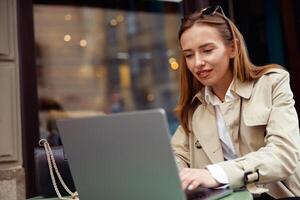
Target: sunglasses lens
{"points": [[209, 10]]}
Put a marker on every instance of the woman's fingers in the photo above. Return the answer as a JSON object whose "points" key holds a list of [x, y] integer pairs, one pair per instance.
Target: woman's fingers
{"points": [[192, 178], [189, 179], [194, 184], [184, 173], [186, 182]]}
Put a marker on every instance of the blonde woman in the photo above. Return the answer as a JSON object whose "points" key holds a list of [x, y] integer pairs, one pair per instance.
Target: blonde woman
{"points": [[238, 125]]}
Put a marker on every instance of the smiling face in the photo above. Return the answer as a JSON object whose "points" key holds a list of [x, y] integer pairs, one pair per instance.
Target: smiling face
{"points": [[207, 56]]}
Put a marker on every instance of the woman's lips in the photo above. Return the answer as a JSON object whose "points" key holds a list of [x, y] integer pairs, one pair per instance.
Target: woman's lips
{"points": [[204, 73]]}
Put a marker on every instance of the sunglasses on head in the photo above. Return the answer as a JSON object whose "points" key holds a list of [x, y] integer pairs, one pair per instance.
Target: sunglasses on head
{"points": [[209, 11]]}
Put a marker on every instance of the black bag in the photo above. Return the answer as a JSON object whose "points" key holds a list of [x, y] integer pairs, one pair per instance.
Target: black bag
{"points": [[43, 179]]}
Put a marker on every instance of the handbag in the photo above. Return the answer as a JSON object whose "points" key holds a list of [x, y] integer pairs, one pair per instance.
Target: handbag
{"points": [[47, 156]]}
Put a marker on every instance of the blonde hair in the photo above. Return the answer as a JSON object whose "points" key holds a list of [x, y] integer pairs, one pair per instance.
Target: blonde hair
{"points": [[243, 69]]}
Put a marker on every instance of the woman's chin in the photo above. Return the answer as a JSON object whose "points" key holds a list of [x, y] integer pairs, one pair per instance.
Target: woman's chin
{"points": [[206, 82]]}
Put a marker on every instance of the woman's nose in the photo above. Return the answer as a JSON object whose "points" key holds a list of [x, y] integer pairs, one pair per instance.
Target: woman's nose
{"points": [[199, 61]]}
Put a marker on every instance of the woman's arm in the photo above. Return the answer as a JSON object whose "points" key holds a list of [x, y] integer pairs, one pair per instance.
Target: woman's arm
{"points": [[279, 157], [190, 178]]}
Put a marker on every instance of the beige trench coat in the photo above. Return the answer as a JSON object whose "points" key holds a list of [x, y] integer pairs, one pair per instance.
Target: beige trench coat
{"points": [[266, 137]]}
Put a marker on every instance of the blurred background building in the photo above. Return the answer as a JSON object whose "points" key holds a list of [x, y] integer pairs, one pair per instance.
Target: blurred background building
{"points": [[70, 58], [107, 60]]}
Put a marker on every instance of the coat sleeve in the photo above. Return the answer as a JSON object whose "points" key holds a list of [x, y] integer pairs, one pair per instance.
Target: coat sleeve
{"points": [[181, 149], [279, 157]]}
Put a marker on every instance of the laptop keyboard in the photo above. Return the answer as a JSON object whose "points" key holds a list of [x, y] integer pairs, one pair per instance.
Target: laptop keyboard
{"points": [[206, 194]]}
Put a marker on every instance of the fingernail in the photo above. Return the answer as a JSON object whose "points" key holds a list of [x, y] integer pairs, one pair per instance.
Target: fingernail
{"points": [[190, 187]]}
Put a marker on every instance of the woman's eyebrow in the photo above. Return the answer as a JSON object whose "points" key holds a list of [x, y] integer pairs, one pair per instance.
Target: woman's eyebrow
{"points": [[205, 45], [200, 47]]}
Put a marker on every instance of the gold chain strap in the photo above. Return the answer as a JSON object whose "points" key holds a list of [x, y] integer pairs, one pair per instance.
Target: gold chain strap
{"points": [[52, 164]]}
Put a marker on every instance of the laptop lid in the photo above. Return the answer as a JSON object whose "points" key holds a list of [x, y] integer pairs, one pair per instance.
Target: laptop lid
{"points": [[122, 156]]}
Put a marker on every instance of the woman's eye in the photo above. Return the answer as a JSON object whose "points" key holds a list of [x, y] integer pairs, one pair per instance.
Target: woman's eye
{"points": [[188, 55], [207, 50]]}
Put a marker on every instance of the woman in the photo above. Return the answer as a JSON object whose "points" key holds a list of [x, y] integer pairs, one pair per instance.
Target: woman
{"points": [[238, 125]]}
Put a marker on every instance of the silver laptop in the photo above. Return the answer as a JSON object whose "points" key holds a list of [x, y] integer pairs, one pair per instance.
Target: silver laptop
{"points": [[125, 156]]}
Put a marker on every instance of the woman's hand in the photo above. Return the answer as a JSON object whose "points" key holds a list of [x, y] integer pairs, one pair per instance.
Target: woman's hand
{"points": [[192, 178]]}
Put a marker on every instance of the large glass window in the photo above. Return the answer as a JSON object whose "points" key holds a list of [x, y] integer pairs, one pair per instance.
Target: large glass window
{"points": [[94, 60]]}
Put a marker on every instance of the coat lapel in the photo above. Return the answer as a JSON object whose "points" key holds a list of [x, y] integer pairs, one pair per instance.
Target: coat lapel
{"points": [[243, 89], [204, 124], [205, 130]]}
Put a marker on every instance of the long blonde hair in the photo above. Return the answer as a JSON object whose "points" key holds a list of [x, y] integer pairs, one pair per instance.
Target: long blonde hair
{"points": [[243, 69]]}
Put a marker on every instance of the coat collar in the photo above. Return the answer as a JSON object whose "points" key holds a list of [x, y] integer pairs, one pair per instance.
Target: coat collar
{"points": [[243, 89], [204, 116]]}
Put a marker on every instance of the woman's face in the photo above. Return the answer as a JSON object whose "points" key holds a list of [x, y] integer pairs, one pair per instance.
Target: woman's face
{"points": [[207, 56]]}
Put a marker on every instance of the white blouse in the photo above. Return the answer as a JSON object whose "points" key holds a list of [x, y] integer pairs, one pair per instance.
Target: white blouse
{"points": [[227, 146]]}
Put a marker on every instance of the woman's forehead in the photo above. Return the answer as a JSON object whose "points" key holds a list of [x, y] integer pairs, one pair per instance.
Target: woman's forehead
{"points": [[199, 34]]}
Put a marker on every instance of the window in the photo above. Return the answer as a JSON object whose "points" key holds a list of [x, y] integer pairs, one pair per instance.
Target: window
{"points": [[95, 60]]}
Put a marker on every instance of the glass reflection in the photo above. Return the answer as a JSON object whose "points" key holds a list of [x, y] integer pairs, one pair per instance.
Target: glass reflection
{"points": [[108, 61]]}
